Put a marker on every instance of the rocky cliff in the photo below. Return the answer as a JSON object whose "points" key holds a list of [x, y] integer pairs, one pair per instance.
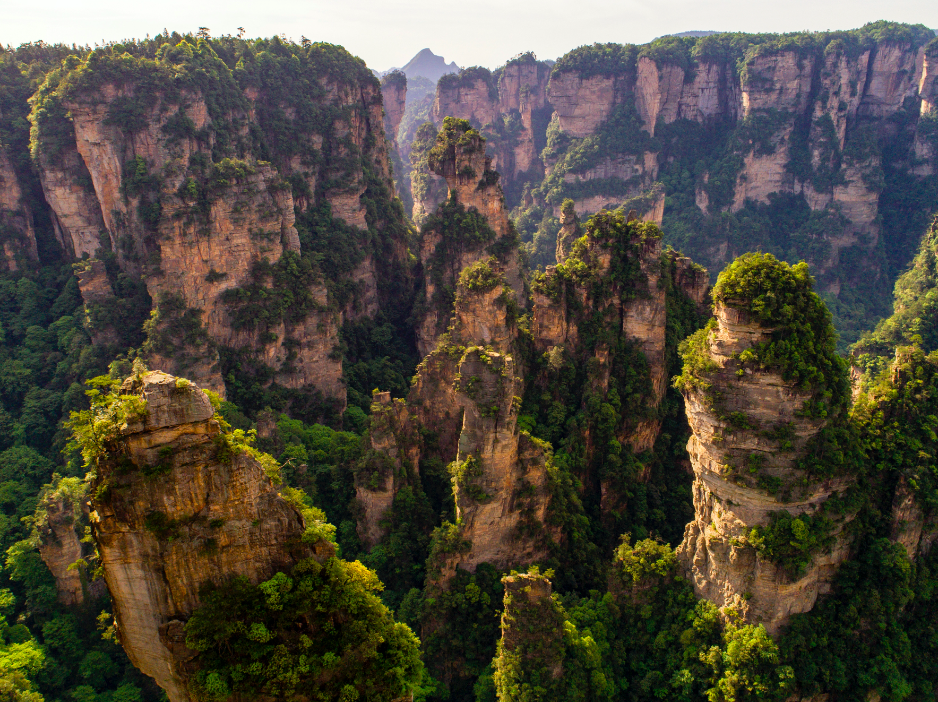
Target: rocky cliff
{"points": [[500, 475], [394, 97], [467, 391], [472, 225], [627, 254], [206, 191], [508, 105], [598, 324], [788, 99], [532, 648], [62, 525], [752, 432], [17, 235], [178, 504], [801, 148]]}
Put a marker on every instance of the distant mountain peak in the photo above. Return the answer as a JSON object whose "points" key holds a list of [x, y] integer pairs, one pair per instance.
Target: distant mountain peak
{"points": [[428, 65]]}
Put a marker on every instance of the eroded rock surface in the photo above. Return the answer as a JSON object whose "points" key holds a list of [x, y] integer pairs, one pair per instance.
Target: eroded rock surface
{"points": [[749, 432], [18, 238], [513, 95], [196, 218], [176, 508], [473, 187]]}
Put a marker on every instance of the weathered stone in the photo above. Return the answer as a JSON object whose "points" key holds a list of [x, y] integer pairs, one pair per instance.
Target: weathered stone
{"points": [[394, 95], [473, 192], [200, 253], [501, 481], [728, 498], [223, 512], [521, 89], [61, 528], [16, 220], [582, 104]]}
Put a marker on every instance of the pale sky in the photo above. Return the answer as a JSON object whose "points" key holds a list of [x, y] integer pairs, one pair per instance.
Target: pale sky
{"points": [[469, 32]]}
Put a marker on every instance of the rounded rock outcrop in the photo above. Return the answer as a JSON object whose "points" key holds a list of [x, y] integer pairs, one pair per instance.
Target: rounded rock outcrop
{"points": [[761, 383]]}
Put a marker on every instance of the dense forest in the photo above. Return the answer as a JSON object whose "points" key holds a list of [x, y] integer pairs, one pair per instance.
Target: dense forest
{"points": [[602, 601]]}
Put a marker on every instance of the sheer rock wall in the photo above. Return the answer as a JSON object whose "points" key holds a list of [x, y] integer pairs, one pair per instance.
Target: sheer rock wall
{"points": [[467, 173], [520, 89], [222, 512], [195, 229], [835, 99], [729, 462], [17, 235]]}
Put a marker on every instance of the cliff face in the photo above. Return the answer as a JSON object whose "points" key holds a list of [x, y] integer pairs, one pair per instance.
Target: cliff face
{"points": [[180, 193], [583, 103], [633, 310], [757, 134], [471, 226], [467, 396], [62, 520], [60, 547], [926, 149], [76, 213], [500, 475], [394, 97], [392, 462], [176, 507], [504, 106], [467, 99], [663, 93], [789, 84], [467, 391], [844, 88], [17, 235], [749, 431], [249, 217]]}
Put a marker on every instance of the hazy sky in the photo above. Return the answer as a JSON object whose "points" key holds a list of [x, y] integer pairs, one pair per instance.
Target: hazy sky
{"points": [[484, 32]]}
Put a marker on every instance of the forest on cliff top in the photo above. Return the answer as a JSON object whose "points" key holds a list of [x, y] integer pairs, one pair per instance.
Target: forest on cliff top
{"points": [[624, 622], [759, 141]]}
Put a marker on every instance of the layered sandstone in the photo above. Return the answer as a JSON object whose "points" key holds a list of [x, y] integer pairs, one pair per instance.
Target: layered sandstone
{"points": [[394, 96], [569, 232], [500, 475], [62, 520], [390, 464], [506, 113], [96, 291], [926, 150], [663, 92], [196, 227], [175, 508], [634, 309], [466, 99], [690, 278], [466, 395], [76, 213], [468, 398], [17, 235], [582, 104], [473, 186], [748, 432], [894, 75], [779, 99]]}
